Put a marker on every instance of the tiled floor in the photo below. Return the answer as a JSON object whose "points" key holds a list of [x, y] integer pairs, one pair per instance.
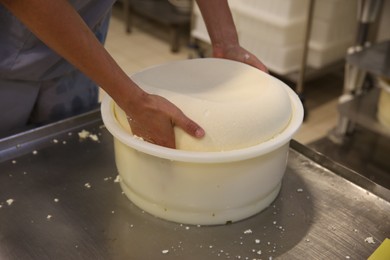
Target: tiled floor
{"points": [[148, 45]]}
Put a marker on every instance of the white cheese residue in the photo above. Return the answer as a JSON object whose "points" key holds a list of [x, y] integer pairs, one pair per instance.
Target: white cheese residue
{"points": [[118, 179], [94, 137], [83, 134], [369, 240], [248, 231]]}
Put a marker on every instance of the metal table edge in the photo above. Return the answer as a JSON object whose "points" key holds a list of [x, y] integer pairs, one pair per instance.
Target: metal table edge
{"points": [[16, 145], [341, 170]]}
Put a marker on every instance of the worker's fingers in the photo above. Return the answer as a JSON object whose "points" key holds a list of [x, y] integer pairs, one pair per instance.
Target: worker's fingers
{"points": [[155, 119], [253, 61], [188, 125], [157, 131], [240, 54]]}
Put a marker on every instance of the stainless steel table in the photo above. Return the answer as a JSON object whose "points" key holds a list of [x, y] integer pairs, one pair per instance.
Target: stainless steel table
{"points": [[59, 200]]}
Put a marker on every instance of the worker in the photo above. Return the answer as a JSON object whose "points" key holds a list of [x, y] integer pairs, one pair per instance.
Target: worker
{"points": [[52, 60]]}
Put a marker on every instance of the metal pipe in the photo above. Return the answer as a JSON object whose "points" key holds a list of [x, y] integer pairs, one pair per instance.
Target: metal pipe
{"points": [[301, 79]]}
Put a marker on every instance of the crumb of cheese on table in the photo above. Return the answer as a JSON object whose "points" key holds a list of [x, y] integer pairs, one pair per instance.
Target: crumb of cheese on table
{"points": [[118, 179], [369, 240], [248, 231], [94, 137], [84, 134]]}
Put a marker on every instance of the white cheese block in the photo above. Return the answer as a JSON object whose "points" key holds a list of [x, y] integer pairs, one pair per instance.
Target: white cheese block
{"points": [[238, 106]]}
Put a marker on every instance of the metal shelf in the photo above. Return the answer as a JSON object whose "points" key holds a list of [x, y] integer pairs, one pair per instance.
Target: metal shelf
{"points": [[362, 110], [374, 59]]}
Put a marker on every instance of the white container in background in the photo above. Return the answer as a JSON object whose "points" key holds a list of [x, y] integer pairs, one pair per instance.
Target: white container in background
{"points": [[335, 9], [322, 55], [281, 60], [269, 28], [273, 37], [284, 10], [274, 31], [325, 33]]}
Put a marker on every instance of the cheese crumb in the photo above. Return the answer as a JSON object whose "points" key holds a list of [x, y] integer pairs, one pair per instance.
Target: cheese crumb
{"points": [[35, 152], [299, 190], [87, 185], [56, 200], [49, 217], [84, 134], [369, 240], [165, 251], [94, 137], [257, 241], [10, 201], [118, 179], [248, 231]]}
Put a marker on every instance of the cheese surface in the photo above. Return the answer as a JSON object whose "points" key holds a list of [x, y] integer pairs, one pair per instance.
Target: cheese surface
{"points": [[238, 106]]}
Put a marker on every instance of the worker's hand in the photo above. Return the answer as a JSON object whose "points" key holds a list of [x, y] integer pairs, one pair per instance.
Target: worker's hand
{"points": [[153, 119], [237, 53]]}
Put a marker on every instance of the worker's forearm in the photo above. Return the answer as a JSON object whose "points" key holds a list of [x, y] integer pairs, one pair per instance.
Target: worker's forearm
{"points": [[220, 24], [60, 27]]}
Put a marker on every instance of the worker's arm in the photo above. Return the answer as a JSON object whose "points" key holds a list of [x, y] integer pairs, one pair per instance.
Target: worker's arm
{"points": [[60, 27], [223, 33]]}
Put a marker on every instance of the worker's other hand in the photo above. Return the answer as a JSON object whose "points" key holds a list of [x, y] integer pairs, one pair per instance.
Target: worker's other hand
{"points": [[154, 118], [240, 54]]}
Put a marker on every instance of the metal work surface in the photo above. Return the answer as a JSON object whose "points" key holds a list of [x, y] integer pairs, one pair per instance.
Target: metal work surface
{"points": [[59, 200], [363, 151]]}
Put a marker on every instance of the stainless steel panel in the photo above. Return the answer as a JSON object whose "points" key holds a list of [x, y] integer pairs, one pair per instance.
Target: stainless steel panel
{"points": [[317, 215]]}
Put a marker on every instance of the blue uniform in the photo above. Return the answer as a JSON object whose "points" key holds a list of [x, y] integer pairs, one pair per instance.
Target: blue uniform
{"points": [[37, 86]]}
